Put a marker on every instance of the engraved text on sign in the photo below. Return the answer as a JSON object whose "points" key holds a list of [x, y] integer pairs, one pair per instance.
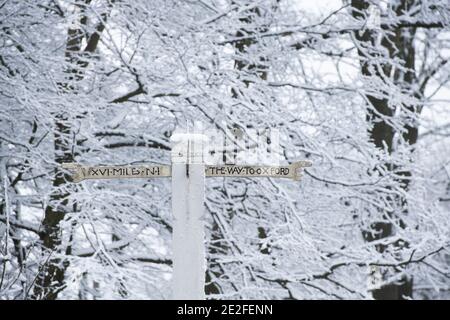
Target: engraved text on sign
{"points": [[117, 172], [290, 171]]}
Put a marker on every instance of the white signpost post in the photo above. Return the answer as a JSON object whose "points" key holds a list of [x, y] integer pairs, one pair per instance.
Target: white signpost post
{"points": [[188, 172]]}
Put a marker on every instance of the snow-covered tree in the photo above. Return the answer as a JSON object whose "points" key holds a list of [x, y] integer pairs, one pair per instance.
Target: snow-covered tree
{"points": [[360, 88]]}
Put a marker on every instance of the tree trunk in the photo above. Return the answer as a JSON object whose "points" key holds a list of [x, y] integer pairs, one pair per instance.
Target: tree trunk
{"points": [[398, 43], [50, 279]]}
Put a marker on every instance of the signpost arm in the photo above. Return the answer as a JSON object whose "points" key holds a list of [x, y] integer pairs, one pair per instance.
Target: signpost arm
{"points": [[188, 193]]}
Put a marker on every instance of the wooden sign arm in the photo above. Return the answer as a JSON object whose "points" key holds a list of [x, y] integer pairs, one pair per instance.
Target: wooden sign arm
{"points": [[291, 171], [80, 173], [76, 171], [297, 167]]}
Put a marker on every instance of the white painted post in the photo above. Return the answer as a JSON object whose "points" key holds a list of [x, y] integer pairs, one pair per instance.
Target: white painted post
{"points": [[188, 193]]}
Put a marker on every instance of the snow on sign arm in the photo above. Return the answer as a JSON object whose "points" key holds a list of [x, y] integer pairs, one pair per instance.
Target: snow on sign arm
{"points": [[290, 171]]}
